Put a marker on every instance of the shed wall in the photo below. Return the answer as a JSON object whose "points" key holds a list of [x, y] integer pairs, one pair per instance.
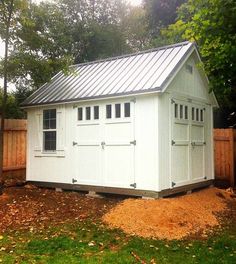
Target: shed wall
{"points": [[61, 167], [193, 88]]}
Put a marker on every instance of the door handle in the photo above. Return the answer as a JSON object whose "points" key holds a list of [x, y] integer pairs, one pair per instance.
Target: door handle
{"points": [[103, 144]]}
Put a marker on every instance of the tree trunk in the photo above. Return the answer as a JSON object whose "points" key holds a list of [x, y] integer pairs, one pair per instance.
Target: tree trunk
{"points": [[4, 99]]}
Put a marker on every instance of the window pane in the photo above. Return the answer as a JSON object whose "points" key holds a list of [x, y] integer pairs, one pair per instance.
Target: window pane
{"points": [[46, 114], [117, 107], [49, 119], [96, 112], [88, 113], [108, 111], [49, 140], [197, 114], [186, 112], [193, 113], [52, 114], [201, 115], [80, 113], [46, 124], [53, 123], [176, 110], [127, 109], [180, 111]]}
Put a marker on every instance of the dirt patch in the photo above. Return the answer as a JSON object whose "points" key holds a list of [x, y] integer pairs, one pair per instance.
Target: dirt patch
{"points": [[28, 207], [170, 218]]}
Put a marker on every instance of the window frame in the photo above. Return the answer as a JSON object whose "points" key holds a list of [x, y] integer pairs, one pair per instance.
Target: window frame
{"points": [[45, 130]]}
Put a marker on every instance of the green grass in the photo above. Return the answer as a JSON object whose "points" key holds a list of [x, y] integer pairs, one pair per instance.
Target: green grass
{"points": [[90, 243]]}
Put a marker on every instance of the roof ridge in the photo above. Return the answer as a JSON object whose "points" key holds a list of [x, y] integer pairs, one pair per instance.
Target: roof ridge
{"points": [[133, 54]]}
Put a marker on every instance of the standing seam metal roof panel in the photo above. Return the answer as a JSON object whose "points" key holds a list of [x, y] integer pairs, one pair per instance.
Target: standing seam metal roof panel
{"points": [[139, 72]]}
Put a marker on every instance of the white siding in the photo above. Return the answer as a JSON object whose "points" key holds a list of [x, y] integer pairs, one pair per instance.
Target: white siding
{"points": [[62, 166], [185, 86]]}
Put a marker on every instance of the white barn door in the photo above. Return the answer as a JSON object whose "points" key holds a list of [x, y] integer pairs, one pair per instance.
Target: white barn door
{"points": [[88, 145], [119, 148], [197, 142], [105, 145], [187, 163]]}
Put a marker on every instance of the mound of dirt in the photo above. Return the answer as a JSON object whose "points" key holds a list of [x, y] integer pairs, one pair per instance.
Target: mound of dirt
{"points": [[169, 218]]}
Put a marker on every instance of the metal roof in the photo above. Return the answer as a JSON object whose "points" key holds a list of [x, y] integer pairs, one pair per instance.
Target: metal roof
{"points": [[141, 72]]}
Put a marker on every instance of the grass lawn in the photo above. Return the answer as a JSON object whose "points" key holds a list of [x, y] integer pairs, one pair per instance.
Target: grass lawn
{"points": [[85, 242]]}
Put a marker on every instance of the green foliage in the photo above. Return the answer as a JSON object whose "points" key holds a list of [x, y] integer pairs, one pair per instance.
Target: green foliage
{"points": [[14, 99], [212, 24], [161, 13]]}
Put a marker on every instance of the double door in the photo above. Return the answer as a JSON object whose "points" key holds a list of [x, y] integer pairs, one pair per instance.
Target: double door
{"points": [[187, 142], [105, 144]]}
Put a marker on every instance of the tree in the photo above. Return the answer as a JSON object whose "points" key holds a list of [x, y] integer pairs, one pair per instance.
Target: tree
{"points": [[161, 13], [41, 46], [8, 22], [137, 29], [212, 24]]}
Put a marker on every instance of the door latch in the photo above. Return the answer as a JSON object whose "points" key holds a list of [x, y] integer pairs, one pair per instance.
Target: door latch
{"points": [[103, 144], [74, 180], [74, 143], [134, 185]]}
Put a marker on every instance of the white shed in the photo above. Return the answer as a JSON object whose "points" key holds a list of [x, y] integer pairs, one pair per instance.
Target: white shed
{"points": [[137, 124]]}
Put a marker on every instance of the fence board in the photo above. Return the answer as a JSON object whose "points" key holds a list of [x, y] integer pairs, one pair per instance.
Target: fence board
{"points": [[225, 154], [14, 149]]}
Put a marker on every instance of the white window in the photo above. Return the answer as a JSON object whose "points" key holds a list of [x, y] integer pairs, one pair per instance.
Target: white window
{"points": [[88, 112], [197, 114], [80, 113], [201, 115], [108, 111], [193, 113], [176, 111], [96, 112], [186, 112], [127, 109], [49, 130], [117, 110], [181, 111]]}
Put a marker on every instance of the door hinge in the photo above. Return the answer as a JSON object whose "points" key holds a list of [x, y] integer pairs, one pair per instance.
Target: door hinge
{"points": [[172, 101], [134, 185], [173, 184], [74, 180], [133, 142], [172, 142], [205, 177], [133, 100], [74, 143], [74, 106]]}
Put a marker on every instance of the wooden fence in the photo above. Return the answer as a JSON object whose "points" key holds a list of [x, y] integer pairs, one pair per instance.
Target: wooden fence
{"points": [[225, 156], [14, 149]]}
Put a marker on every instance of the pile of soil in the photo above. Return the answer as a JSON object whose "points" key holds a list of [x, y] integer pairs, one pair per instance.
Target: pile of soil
{"points": [[170, 218], [30, 207]]}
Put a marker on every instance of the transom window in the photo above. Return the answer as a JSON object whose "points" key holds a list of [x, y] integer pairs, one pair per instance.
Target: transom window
{"points": [[117, 110], [197, 114], [88, 113], [120, 110], [181, 111], [49, 130]]}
